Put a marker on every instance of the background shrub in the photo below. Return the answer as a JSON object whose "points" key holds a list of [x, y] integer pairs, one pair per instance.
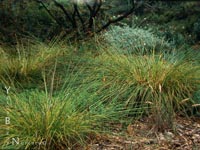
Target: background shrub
{"points": [[134, 40]]}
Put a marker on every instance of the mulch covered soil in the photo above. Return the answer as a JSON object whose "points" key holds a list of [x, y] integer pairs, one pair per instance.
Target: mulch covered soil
{"points": [[141, 135]]}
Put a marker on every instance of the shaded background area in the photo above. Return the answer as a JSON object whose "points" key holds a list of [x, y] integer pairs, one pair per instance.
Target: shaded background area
{"points": [[177, 21]]}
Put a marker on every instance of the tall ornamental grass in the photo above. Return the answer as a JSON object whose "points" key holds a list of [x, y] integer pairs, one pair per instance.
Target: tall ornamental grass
{"points": [[164, 82], [39, 120]]}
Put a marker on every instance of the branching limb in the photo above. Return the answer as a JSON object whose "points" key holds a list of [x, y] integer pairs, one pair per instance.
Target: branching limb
{"points": [[76, 11], [93, 11], [67, 15], [111, 21], [49, 12]]}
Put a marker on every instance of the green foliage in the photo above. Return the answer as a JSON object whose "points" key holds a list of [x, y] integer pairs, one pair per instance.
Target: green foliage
{"points": [[26, 64], [29, 62], [23, 18], [176, 39], [134, 40], [92, 84], [196, 29], [162, 81], [37, 118], [197, 97], [43, 121]]}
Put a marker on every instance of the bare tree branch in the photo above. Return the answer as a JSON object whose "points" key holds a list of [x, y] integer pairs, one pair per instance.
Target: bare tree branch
{"points": [[49, 12], [93, 11], [87, 25], [74, 17], [67, 15], [111, 21], [79, 16]]}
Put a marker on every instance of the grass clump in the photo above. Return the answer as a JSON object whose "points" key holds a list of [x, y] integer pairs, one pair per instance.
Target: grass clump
{"points": [[25, 67], [28, 64], [48, 123], [163, 82], [44, 122], [61, 121]]}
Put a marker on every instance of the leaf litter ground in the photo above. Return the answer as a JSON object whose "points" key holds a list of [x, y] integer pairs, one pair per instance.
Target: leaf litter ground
{"points": [[141, 135]]}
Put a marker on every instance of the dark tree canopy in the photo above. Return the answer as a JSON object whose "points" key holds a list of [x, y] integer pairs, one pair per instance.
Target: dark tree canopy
{"points": [[85, 16]]}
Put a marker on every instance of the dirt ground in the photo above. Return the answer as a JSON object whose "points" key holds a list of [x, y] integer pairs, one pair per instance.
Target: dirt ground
{"points": [[141, 135]]}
